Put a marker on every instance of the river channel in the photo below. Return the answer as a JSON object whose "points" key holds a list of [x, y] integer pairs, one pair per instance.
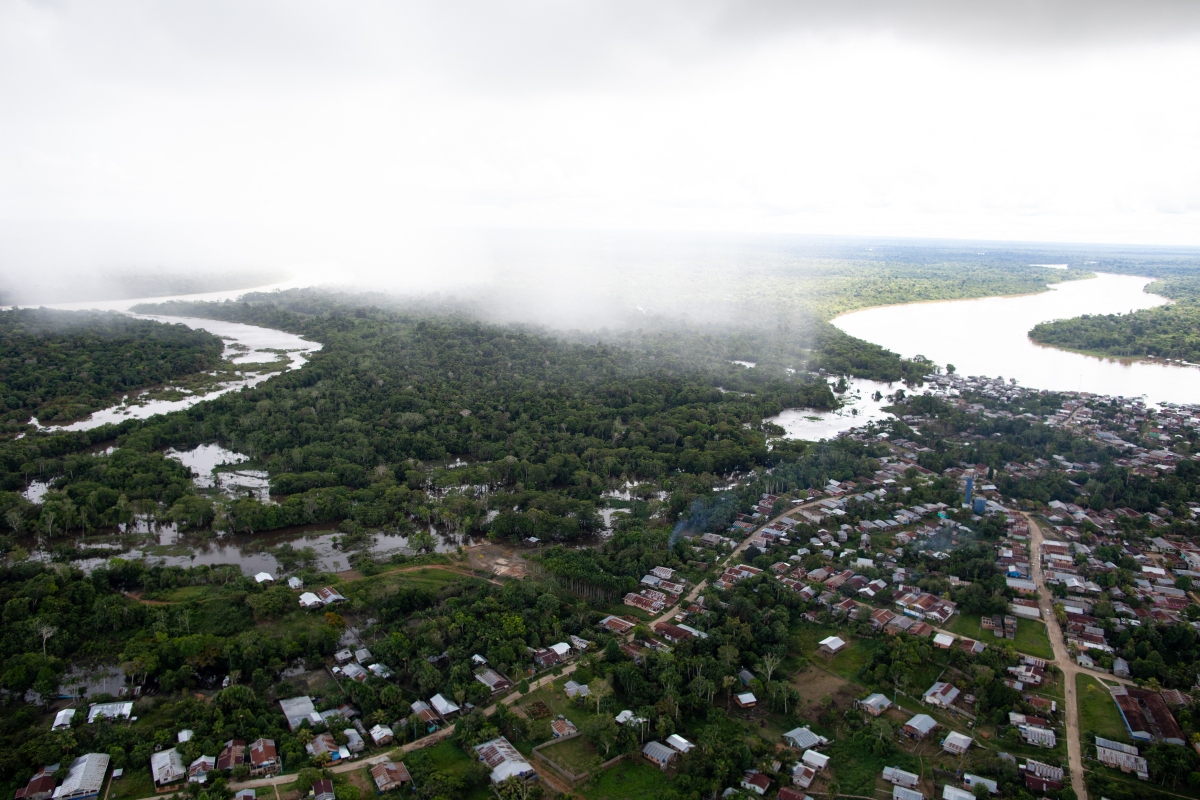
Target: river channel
{"points": [[990, 337]]}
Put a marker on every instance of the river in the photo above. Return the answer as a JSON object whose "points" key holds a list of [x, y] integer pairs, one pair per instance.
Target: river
{"points": [[244, 344], [990, 336]]}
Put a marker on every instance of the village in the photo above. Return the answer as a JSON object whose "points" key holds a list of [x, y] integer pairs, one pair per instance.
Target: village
{"points": [[1036, 688]]}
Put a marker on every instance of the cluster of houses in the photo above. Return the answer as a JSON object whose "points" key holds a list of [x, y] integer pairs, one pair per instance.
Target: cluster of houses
{"points": [[170, 774], [325, 596], [659, 591], [1147, 715]]}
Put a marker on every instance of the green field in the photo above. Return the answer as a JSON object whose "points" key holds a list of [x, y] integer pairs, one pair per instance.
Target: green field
{"points": [[633, 777], [1098, 712], [1031, 635], [575, 755], [134, 783]]}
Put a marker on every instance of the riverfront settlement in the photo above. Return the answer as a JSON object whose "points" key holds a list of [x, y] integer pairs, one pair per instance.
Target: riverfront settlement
{"points": [[988, 594]]}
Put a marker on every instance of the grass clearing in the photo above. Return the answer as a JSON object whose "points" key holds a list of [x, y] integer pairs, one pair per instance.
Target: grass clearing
{"points": [[555, 698], [576, 755], [134, 783], [1098, 712], [632, 777], [1031, 634]]}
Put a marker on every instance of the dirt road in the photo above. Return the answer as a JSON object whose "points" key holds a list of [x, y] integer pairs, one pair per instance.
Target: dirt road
{"points": [[670, 613], [1061, 658]]}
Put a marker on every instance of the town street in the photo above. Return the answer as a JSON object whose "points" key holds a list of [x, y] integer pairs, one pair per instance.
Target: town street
{"points": [[1061, 658]]}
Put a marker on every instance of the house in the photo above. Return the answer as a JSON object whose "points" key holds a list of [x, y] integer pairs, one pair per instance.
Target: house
{"points": [[84, 778], [330, 596], [617, 625], [755, 781], [504, 760], [198, 770], [362, 655], [297, 710], [380, 671], [389, 775], [295, 583], [1035, 735], [1041, 777], [355, 673], [40, 786], [899, 777], [231, 755], [545, 657], [812, 758], [803, 776], [324, 744], [354, 741], [1120, 669], [426, 714], [62, 720], [109, 711], [264, 758], [562, 727], [166, 766], [803, 738], [1122, 756], [658, 753], [745, 700], [941, 694], [904, 793], [323, 789], [874, 704], [246, 794], [309, 600], [443, 707], [831, 646], [956, 743], [679, 743], [493, 680], [919, 726], [788, 793], [574, 689], [954, 793], [264, 577], [974, 780], [943, 641], [381, 735]]}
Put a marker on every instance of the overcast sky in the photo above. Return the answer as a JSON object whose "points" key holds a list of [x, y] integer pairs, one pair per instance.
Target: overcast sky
{"points": [[281, 133]]}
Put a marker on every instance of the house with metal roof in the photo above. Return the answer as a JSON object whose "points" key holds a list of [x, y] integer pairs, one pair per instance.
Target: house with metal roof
{"points": [[504, 760], [919, 726], [899, 777], [874, 704], [802, 738], [109, 711], [905, 793], [84, 779], [956, 743], [658, 753], [167, 768]]}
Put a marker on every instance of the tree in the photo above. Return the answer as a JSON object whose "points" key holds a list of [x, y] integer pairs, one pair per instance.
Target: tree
{"points": [[599, 689], [601, 730], [421, 540], [46, 631], [767, 665]]}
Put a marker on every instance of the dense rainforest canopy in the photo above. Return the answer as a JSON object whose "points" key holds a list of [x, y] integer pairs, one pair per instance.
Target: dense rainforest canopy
{"points": [[61, 365]]}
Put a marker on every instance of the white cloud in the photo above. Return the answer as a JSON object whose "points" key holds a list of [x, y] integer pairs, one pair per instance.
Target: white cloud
{"points": [[280, 133]]}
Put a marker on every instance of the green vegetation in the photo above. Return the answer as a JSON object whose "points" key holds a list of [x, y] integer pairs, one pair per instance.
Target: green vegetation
{"points": [[633, 777], [1171, 331], [1098, 712], [62, 365]]}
